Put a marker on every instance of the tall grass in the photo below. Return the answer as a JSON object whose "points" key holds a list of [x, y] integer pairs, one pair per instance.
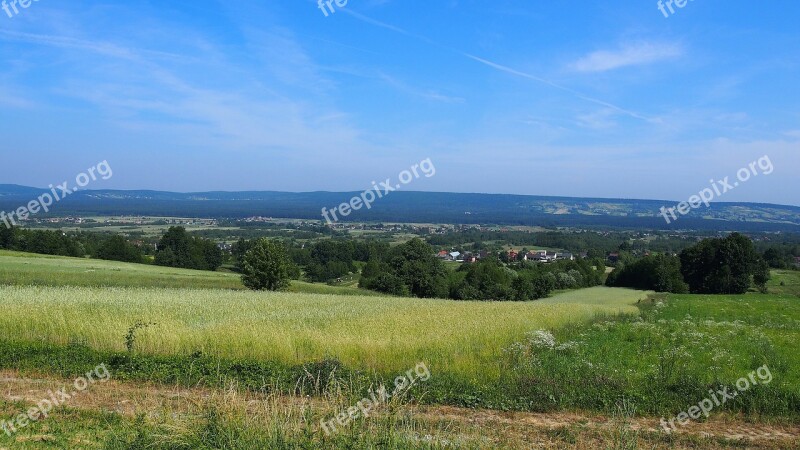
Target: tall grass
{"points": [[373, 333]]}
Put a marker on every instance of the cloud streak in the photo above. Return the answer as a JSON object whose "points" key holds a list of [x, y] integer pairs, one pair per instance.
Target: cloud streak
{"points": [[509, 70], [563, 88], [639, 54]]}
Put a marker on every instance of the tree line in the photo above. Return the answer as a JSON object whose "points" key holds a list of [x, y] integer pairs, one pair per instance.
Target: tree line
{"points": [[175, 249], [410, 269], [729, 265]]}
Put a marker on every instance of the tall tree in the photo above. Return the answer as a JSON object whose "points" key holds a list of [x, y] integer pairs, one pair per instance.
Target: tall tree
{"points": [[173, 249], [267, 266]]}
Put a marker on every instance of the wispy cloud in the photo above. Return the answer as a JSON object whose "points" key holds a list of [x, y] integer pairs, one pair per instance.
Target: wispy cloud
{"points": [[269, 101], [509, 70], [102, 48], [637, 54], [564, 88]]}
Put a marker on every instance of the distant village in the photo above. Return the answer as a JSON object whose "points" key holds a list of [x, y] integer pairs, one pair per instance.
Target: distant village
{"points": [[543, 256]]}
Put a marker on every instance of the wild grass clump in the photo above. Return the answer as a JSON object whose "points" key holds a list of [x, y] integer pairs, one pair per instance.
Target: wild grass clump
{"points": [[225, 421]]}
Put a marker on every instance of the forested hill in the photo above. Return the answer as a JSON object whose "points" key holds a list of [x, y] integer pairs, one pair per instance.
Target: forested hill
{"points": [[420, 207]]}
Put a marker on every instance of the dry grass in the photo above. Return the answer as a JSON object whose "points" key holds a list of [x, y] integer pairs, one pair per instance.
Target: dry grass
{"points": [[177, 408]]}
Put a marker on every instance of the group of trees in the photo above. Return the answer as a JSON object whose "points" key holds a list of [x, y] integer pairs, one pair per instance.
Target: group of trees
{"points": [[724, 266], [413, 269], [407, 269], [660, 273], [322, 261], [782, 257], [490, 279], [729, 265], [179, 249], [332, 259], [44, 242], [76, 244], [117, 248]]}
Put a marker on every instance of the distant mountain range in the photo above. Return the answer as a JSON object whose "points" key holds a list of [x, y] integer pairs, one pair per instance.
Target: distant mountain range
{"points": [[419, 207]]}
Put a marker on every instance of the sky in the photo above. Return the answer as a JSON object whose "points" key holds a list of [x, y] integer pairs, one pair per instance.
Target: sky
{"points": [[570, 98]]}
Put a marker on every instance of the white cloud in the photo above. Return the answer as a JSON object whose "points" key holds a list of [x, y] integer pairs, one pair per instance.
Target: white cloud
{"points": [[628, 55]]}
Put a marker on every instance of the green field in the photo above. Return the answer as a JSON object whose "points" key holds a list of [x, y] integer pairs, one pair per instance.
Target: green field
{"points": [[40, 270], [381, 333], [675, 352], [785, 282], [587, 350]]}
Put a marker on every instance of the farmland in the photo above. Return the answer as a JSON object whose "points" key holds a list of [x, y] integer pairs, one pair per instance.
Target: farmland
{"points": [[382, 333], [40, 270], [581, 358]]}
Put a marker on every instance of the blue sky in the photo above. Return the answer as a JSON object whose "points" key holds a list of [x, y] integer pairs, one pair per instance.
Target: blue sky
{"points": [[574, 98]]}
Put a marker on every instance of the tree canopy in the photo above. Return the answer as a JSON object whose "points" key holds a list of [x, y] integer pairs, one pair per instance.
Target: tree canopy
{"points": [[723, 266], [267, 266], [177, 249]]}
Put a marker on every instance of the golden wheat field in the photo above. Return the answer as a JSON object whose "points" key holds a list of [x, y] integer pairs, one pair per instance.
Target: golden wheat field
{"points": [[380, 333]]}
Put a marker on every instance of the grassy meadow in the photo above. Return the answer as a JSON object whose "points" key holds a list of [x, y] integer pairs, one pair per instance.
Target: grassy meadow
{"points": [[381, 333], [785, 282], [592, 351], [41, 270], [668, 358]]}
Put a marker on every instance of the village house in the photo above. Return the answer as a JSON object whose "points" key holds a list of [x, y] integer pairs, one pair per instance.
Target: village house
{"points": [[449, 256]]}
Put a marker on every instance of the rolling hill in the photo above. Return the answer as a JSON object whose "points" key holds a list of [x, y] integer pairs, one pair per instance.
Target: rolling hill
{"points": [[420, 207]]}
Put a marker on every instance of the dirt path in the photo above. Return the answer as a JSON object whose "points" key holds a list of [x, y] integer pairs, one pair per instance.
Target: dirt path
{"points": [[528, 430]]}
